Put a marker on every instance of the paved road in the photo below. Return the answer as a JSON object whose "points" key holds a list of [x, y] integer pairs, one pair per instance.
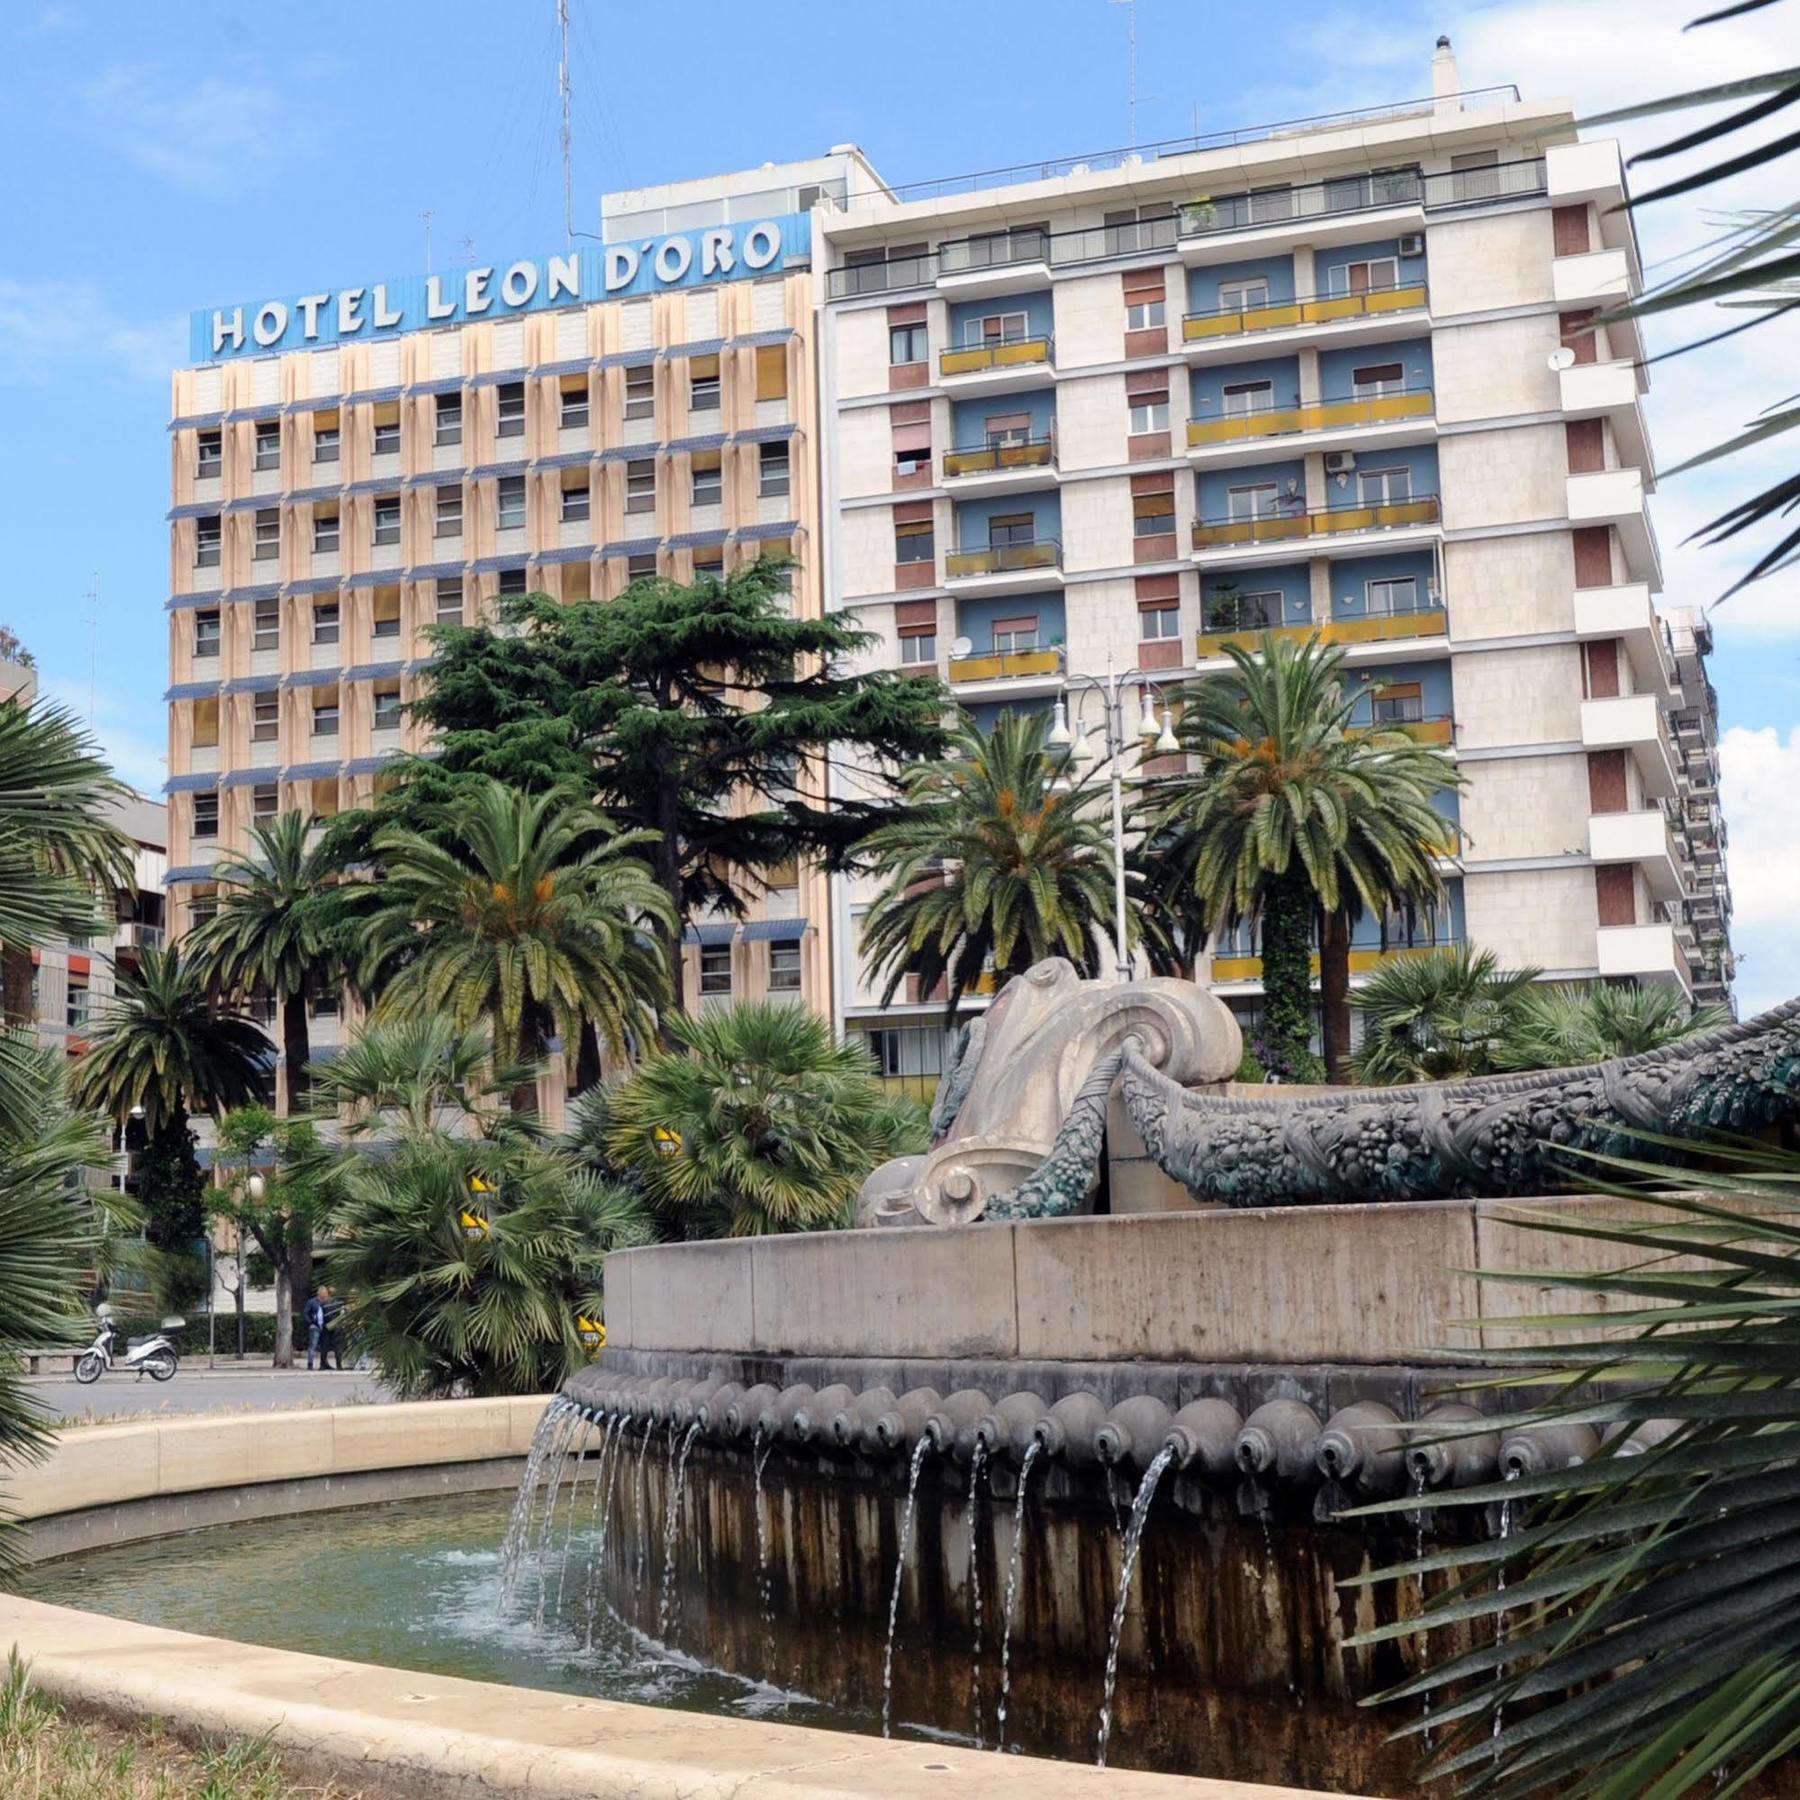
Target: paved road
{"points": [[198, 1390]]}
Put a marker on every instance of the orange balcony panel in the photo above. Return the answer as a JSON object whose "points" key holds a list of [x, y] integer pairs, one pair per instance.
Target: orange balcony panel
{"points": [[1321, 310], [999, 456]]}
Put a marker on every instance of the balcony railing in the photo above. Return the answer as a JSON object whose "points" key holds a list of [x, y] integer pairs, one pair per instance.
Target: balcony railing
{"points": [[970, 358], [1439, 728], [963, 256], [1004, 559], [1363, 961], [1320, 200], [1032, 453], [1007, 665], [1281, 528], [1366, 628], [1321, 415], [882, 277], [1317, 309]]}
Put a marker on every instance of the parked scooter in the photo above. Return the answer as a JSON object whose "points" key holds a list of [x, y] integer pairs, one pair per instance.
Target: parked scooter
{"points": [[153, 1356]]}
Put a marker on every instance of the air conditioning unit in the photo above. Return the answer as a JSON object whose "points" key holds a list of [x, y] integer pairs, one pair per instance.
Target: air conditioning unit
{"points": [[1412, 244], [1340, 462]]}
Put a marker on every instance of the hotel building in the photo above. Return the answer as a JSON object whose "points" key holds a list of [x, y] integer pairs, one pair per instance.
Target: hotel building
{"points": [[1341, 377]]}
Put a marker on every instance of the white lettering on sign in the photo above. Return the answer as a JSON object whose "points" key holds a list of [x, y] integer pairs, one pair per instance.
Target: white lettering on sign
{"points": [[350, 317], [762, 244], [565, 277], [228, 328], [674, 257], [715, 251], [436, 306], [621, 266], [385, 315], [476, 298], [519, 283], [309, 305], [271, 321]]}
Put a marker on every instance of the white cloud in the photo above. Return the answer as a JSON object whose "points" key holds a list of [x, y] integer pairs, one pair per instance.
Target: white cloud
{"points": [[1760, 788], [46, 323], [132, 733]]}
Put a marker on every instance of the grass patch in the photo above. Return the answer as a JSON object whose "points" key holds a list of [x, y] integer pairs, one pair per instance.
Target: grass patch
{"points": [[49, 1754]]}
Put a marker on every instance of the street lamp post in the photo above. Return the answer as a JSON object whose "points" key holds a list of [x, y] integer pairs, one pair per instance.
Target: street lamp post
{"points": [[1152, 733]]}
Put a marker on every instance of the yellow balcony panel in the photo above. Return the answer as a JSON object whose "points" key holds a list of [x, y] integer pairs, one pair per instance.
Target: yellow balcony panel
{"points": [[1196, 326], [1002, 559], [1422, 511], [1421, 731], [1331, 307], [1273, 530], [1281, 421], [1428, 622], [975, 357], [1008, 666], [1362, 962], [1215, 643], [1374, 409], [999, 456]]}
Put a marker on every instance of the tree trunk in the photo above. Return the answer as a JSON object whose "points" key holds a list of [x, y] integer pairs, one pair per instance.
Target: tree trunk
{"points": [[1334, 994], [1287, 914], [15, 984], [296, 1050], [284, 1316], [300, 1271], [589, 1072], [667, 862]]}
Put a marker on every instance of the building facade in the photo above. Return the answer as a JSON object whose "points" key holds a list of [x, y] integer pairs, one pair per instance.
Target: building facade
{"points": [[1126, 411]]}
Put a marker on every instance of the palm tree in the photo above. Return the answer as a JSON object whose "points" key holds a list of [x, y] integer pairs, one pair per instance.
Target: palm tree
{"points": [[1563, 1024], [992, 866], [1439, 1016], [759, 1121], [1298, 818], [414, 1072], [534, 917], [276, 931]]}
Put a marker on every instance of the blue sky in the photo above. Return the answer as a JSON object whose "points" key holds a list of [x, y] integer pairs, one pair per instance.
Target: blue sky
{"points": [[168, 157]]}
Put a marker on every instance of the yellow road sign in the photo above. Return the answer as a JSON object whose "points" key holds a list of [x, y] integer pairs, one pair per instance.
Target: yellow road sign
{"points": [[473, 1224]]}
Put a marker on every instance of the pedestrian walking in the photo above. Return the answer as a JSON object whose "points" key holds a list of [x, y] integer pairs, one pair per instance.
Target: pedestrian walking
{"points": [[330, 1348], [315, 1327]]}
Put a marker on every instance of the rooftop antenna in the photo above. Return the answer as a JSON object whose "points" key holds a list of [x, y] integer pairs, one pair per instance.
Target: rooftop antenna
{"points": [[93, 619], [1130, 7], [568, 130], [428, 215]]}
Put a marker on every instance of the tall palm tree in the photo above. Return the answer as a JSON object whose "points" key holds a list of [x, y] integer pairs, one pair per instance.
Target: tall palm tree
{"points": [[1298, 818], [534, 917], [276, 931], [413, 1073], [757, 1121], [992, 865], [1439, 1016]]}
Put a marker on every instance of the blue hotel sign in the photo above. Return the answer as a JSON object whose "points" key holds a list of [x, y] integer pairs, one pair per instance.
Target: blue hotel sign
{"points": [[652, 265]]}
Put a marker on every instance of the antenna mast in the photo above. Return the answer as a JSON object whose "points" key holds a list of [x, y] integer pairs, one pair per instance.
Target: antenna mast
{"points": [[1131, 50], [568, 130], [93, 599]]}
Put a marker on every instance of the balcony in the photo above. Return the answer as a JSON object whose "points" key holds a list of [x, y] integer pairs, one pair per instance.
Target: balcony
{"points": [[998, 563], [1608, 390], [1321, 415], [1591, 278], [1643, 838], [1646, 952], [133, 934], [998, 465], [1318, 309], [1439, 729], [1010, 665], [1632, 722], [1626, 614], [1616, 497], [1362, 962], [999, 263], [998, 367], [1332, 522], [1422, 622], [1345, 198]]}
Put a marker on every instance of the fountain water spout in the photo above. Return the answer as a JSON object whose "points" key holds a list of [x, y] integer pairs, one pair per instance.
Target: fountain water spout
{"points": [[1135, 1430], [1011, 1427], [1535, 1449], [1202, 1435], [950, 1428], [1068, 1430], [1361, 1448], [1459, 1461], [1278, 1442], [811, 1421], [713, 1409], [898, 1431], [745, 1413], [853, 1426]]}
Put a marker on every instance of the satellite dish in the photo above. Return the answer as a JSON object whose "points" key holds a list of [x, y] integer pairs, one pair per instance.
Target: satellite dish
{"points": [[1561, 359], [961, 647]]}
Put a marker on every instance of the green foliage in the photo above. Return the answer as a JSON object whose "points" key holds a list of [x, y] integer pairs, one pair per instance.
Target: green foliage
{"points": [[775, 1125], [639, 704], [533, 918], [1285, 1038], [171, 1194], [1561, 1025], [412, 1071], [1439, 1016], [989, 862], [1250, 1067], [1650, 1642]]}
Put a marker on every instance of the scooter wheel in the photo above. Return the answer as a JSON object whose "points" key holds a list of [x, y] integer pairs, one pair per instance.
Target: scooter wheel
{"points": [[88, 1368], [160, 1366]]}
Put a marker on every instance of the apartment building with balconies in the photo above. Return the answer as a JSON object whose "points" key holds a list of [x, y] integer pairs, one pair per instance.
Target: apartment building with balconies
{"points": [[353, 468], [1338, 377]]}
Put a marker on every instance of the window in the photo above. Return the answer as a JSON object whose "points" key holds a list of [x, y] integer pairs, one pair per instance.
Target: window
{"points": [[1363, 277], [265, 802], [265, 718], [640, 392], [1011, 635], [509, 502], [209, 454], [268, 534], [387, 709], [997, 328], [918, 647], [574, 403], [206, 815], [449, 600], [1145, 315], [576, 502], [325, 622], [1378, 378], [641, 567], [709, 563], [1393, 594], [325, 718], [387, 437], [326, 439], [771, 372], [915, 542], [910, 462], [1140, 228], [449, 419], [1005, 430], [268, 444], [907, 344], [1256, 500], [784, 968], [206, 633], [323, 1006], [1153, 515], [208, 536], [709, 488], [265, 626], [75, 1007], [1384, 487], [449, 510], [1228, 610], [1401, 704], [640, 486], [512, 581], [1149, 412], [1240, 398], [386, 619], [715, 971], [772, 470], [325, 530], [387, 519], [1273, 202], [1158, 622], [703, 384], [1243, 295], [1006, 529], [510, 416]]}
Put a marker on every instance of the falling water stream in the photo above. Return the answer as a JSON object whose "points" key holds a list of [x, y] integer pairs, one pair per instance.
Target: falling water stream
{"points": [[672, 1530], [1500, 1612], [1419, 1557], [1134, 1538], [1012, 1589], [518, 1522], [643, 1503], [759, 1459], [577, 1423], [906, 1524], [976, 1464], [606, 1516]]}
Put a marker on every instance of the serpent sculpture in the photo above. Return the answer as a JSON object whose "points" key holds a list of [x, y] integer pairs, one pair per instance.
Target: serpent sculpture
{"points": [[1012, 1144]]}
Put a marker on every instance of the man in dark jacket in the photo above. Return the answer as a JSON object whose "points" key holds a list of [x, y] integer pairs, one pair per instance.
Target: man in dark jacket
{"points": [[316, 1343]]}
